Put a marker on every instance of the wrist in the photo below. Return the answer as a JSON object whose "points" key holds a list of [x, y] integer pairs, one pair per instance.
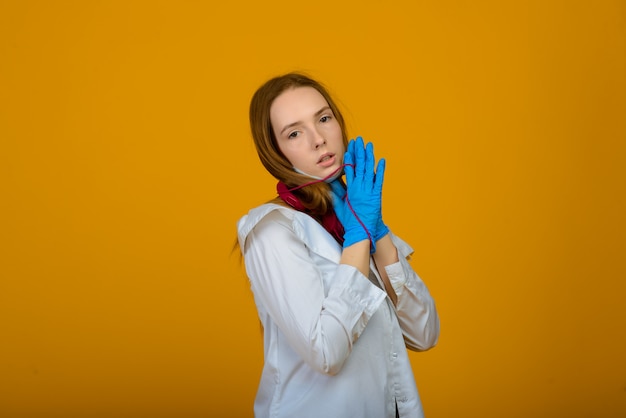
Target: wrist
{"points": [[381, 231], [354, 235], [358, 234]]}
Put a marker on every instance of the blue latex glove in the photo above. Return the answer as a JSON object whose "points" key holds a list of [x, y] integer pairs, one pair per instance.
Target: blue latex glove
{"points": [[364, 195], [381, 229]]}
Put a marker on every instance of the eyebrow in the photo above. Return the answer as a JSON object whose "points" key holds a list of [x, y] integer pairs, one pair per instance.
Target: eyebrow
{"points": [[291, 125]]}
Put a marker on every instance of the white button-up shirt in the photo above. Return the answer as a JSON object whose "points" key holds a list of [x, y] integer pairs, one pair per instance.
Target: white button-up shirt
{"points": [[334, 344]]}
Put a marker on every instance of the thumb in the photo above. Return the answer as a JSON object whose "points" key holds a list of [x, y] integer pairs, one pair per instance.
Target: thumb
{"points": [[338, 194], [337, 189]]}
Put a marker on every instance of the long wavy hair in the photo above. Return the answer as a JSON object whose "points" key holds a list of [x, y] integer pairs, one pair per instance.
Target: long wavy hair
{"points": [[315, 197]]}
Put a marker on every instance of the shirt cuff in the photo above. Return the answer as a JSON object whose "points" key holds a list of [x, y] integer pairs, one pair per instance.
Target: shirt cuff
{"points": [[396, 275], [355, 303]]}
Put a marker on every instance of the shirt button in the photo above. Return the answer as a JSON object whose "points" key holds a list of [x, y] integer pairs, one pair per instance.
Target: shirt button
{"points": [[394, 355]]}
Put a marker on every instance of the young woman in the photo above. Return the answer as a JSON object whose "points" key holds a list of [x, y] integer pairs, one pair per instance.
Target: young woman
{"points": [[337, 297]]}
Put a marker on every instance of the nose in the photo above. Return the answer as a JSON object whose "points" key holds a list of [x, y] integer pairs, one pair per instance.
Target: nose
{"points": [[318, 139]]}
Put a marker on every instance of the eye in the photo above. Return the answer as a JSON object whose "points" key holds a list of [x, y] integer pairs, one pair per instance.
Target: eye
{"points": [[324, 119], [293, 134]]}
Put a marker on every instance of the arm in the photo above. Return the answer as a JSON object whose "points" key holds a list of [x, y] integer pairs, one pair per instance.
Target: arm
{"points": [[357, 255], [385, 255], [285, 280], [415, 307]]}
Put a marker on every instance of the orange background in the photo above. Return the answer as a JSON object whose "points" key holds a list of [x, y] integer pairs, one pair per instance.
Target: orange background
{"points": [[126, 160]]}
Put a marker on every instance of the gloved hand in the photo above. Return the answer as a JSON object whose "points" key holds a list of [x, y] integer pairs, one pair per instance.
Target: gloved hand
{"points": [[360, 214]]}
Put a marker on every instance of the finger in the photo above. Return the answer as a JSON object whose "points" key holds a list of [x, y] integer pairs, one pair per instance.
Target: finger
{"points": [[348, 160], [380, 175], [369, 163], [359, 156], [351, 146], [349, 154]]}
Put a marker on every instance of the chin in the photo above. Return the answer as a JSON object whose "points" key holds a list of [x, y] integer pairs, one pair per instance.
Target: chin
{"points": [[335, 173]]}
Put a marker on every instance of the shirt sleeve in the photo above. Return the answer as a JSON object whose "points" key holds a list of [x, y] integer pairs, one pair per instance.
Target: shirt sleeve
{"points": [[320, 327], [415, 307]]}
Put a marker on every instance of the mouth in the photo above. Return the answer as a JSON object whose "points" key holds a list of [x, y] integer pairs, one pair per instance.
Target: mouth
{"points": [[325, 158]]}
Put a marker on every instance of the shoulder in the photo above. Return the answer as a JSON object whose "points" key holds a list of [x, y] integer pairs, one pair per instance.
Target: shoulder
{"points": [[264, 217], [271, 225]]}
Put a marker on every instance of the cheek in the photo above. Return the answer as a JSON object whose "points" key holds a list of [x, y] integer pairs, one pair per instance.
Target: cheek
{"points": [[333, 129], [337, 134], [290, 151], [282, 148]]}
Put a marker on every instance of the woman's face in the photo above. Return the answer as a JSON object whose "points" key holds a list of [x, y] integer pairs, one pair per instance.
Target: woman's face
{"points": [[307, 132]]}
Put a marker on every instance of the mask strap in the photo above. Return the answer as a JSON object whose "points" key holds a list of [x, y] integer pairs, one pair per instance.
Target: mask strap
{"points": [[320, 180]]}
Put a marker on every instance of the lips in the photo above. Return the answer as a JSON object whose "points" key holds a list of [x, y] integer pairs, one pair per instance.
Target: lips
{"points": [[326, 160]]}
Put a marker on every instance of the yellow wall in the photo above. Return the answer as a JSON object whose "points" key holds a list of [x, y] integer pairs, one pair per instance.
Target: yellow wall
{"points": [[125, 162]]}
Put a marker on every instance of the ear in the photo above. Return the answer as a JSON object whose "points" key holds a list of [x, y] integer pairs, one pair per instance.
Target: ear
{"points": [[288, 196]]}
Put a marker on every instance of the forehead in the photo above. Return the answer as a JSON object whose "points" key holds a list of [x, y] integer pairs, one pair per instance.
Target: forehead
{"points": [[295, 104]]}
